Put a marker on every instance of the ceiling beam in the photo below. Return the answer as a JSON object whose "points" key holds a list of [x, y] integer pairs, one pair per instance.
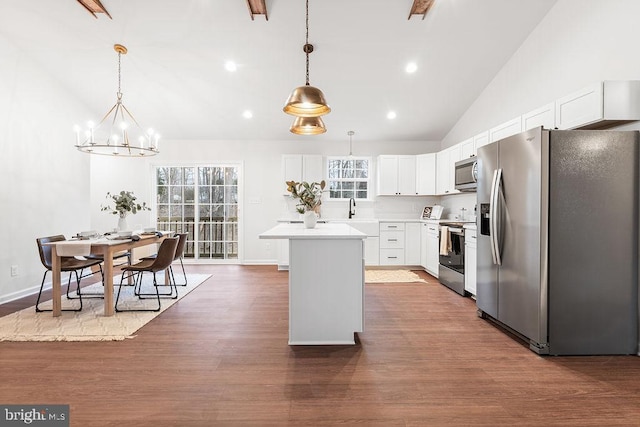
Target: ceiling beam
{"points": [[257, 7], [94, 6], [421, 7]]}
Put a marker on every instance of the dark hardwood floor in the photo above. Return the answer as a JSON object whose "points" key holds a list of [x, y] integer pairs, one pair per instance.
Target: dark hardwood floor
{"points": [[219, 357]]}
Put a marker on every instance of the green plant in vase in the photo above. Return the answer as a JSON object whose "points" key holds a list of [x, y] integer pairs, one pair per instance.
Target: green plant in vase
{"points": [[124, 203]]}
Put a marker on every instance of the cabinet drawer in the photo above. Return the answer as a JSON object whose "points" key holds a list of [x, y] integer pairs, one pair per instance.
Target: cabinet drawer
{"points": [[392, 239], [433, 229], [391, 256], [392, 226]]}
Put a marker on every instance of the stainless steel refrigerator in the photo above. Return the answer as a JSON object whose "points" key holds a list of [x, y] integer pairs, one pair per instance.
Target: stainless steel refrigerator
{"points": [[558, 239]]}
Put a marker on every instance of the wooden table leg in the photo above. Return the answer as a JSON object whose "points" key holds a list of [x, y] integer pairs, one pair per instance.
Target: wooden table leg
{"points": [[56, 286], [109, 309]]}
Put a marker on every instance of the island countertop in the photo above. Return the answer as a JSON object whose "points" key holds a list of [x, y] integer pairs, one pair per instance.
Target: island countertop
{"points": [[321, 231]]}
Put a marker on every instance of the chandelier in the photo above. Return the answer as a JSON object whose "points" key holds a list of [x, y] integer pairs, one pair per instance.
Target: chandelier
{"points": [[307, 101], [118, 133]]}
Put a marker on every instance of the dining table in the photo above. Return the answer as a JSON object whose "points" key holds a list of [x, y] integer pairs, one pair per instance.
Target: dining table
{"points": [[105, 246]]}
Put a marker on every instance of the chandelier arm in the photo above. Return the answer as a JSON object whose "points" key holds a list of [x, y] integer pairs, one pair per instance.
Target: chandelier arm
{"points": [[131, 116]]}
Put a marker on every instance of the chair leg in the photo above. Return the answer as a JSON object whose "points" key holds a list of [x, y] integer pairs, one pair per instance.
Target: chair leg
{"points": [[171, 286], [44, 276], [137, 284]]}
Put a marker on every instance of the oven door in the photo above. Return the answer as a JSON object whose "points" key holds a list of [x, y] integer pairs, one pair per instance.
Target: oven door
{"points": [[454, 259]]}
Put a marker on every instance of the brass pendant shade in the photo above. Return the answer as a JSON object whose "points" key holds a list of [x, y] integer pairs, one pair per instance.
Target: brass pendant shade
{"points": [[306, 101], [308, 126]]}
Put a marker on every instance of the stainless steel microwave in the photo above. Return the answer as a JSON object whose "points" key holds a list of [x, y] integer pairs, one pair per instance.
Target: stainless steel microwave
{"points": [[467, 174]]}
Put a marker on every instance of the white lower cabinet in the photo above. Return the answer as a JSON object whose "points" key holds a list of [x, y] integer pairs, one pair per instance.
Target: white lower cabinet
{"points": [[470, 263], [432, 247], [412, 243], [392, 243]]}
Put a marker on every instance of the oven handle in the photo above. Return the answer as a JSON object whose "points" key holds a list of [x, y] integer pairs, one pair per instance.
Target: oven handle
{"points": [[456, 231]]}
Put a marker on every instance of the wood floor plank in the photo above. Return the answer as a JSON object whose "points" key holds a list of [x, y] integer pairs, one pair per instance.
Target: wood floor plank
{"points": [[220, 357]]}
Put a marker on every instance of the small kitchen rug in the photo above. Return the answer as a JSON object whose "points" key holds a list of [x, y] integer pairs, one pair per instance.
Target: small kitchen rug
{"points": [[391, 276], [90, 324]]}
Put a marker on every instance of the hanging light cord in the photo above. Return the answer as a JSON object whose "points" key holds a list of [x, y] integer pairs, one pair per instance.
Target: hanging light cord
{"points": [[119, 76], [307, 47]]}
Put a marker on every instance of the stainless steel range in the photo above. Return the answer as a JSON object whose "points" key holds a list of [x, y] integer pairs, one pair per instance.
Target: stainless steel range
{"points": [[451, 272]]}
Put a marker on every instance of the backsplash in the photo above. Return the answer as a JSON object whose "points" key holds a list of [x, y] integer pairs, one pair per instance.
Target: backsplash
{"points": [[454, 203]]}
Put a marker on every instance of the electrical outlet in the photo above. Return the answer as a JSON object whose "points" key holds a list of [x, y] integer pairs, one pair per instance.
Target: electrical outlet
{"points": [[14, 270], [267, 246]]}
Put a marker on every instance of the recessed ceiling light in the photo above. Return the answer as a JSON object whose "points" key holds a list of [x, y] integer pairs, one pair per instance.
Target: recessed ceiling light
{"points": [[411, 67], [247, 114], [230, 66], [391, 115]]}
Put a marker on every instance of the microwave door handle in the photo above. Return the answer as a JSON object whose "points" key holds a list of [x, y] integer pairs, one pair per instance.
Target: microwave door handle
{"points": [[500, 206], [492, 214]]}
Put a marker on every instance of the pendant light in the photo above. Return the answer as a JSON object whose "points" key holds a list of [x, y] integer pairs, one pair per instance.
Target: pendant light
{"points": [[308, 126], [118, 133], [307, 100], [350, 133]]}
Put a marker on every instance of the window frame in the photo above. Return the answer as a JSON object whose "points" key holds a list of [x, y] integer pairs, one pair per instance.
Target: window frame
{"points": [[368, 180]]}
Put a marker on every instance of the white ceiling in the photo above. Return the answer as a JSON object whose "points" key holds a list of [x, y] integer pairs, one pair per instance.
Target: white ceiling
{"points": [[173, 77]]}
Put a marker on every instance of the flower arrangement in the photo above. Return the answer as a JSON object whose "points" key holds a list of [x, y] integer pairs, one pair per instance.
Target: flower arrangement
{"points": [[310, 195], [125, 203]]}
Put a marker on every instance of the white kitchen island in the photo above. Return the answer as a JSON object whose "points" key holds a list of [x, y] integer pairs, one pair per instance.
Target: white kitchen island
{"points": [[326, 282]]}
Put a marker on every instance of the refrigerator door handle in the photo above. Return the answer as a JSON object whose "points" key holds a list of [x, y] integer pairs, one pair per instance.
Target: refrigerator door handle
{"points": [[498, 215], [492, 217]]}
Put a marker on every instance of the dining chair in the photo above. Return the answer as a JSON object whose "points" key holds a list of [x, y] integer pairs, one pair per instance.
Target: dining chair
{"points": [[100, 259], [72, 265], [163, 260], [182, 243]]}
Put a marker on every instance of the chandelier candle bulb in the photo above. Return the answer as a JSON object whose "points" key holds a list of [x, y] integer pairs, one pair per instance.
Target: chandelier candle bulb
{"points": [[117, 123]]}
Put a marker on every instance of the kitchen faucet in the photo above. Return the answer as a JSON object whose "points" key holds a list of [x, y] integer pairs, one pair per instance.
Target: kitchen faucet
{"points": [[352, 209]]}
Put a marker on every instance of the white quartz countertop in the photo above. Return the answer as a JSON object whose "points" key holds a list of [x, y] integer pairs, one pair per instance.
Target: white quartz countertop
{"points": [[321, 231]]}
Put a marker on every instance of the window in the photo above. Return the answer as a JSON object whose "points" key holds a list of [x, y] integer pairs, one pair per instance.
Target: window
{"points": [[203, 202], [348, 177]]}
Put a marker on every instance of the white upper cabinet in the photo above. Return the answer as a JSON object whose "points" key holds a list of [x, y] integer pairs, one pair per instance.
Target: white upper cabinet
{"points": [[467, 148], [426, 174], [506, 129], [446, 161], [599, 105], [397, 175], [544, 116], [480, 140], [299, 167]]}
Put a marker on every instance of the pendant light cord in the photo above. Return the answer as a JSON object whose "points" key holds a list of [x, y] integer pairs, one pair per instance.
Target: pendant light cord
{"points": [[306, 49], [119, 76]]}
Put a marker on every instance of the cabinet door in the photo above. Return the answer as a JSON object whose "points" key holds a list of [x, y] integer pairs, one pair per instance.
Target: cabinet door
{"points": [[387, 175], [291, 168], [467, 148], [504, 130], [433, 253], [480, 140], [470, 263], [454, 156], [372, 251], [442, 170], [312, 168], [426, 174], [407, 175], [412, 243], [543, 116], [581, 107], [423, 244]]}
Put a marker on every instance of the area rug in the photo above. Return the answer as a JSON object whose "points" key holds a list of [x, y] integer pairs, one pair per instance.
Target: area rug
{"points": [[391, 276], [90, 324]]}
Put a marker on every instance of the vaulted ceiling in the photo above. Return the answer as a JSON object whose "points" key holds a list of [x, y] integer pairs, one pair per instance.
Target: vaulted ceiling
{"points": [[174, 76]]}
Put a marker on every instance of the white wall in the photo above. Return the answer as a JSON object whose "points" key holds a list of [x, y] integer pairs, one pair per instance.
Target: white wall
{"points": [[261, 180], [45, 187], [579, 42]]}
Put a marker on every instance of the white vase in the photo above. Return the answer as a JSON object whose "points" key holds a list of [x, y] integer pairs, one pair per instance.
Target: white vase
{"points": [[310, 219], [122, 223]]}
